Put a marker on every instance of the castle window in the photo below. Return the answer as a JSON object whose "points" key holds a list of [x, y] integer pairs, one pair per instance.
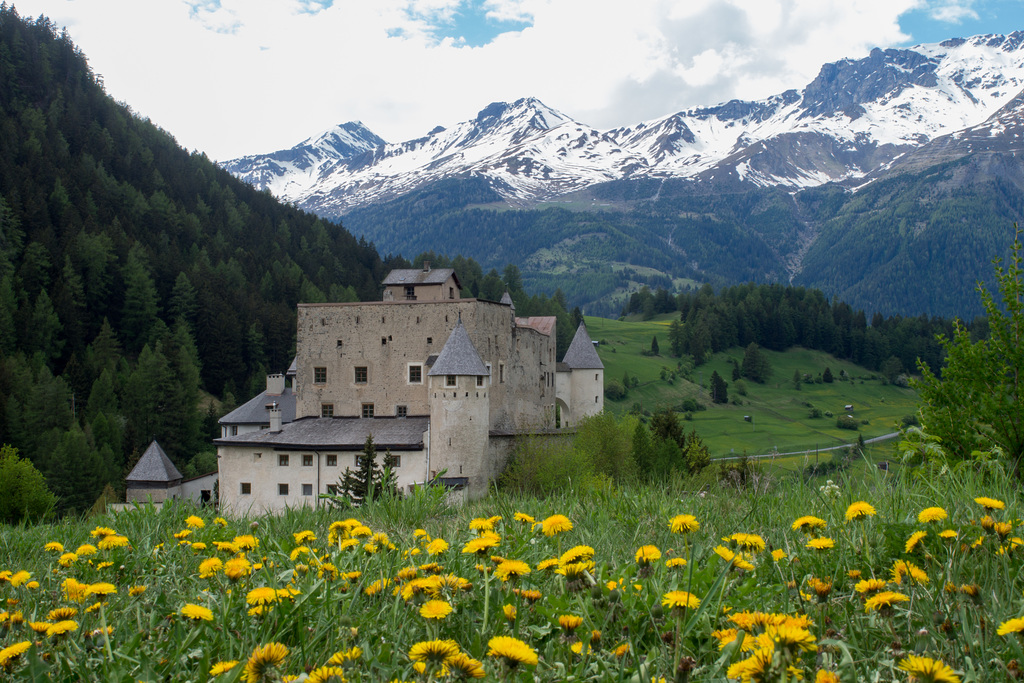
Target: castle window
{"points": [[326, 410], [332, 460], [383, 341], [501, 373], [282, 460], [282, 489], [450, 380], [367, 410], [430, 340], [415, 374], [410, 293], [395, 461], [401, 411], [245, 488], [307, 461], [595, 376], [234, 430], [339, 343], [361, 374], [319, 375], [479, 380], [307, 489]]}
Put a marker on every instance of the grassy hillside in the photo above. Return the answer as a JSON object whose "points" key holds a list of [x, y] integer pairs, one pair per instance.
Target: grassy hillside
{"points": [[780, 414]]}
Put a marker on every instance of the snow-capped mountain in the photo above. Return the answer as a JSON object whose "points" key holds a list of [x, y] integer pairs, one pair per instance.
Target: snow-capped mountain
{"points": [[296, 171], [855, 120]]}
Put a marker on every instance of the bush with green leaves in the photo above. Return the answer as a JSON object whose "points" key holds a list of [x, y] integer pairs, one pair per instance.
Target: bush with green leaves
{"points": [[23, 493]]}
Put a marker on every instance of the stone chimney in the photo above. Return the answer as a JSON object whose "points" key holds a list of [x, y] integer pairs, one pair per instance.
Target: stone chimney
{"points": [[275, 384], [275, 417], [426, 266]]}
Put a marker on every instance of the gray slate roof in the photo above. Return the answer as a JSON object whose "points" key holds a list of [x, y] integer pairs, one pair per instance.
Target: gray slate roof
{"points": [[418, 276], [506, 300], [154, 465], [339, 434], [254, 411], [581, 354], [459, 356]]}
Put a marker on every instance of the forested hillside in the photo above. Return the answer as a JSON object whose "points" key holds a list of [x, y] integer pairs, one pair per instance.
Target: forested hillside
{"points": [[133, 273], [911, 244]]}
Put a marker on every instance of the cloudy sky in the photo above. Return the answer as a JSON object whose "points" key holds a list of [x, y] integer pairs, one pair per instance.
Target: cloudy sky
{"points": [[237, 77]]}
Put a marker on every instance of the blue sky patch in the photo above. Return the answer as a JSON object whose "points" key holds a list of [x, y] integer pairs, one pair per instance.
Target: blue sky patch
{"points": [[926, 25]]}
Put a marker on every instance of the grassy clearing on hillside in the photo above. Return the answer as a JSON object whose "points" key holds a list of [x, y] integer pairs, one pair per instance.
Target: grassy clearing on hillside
{"points": [[780, 418], [382, 597]]}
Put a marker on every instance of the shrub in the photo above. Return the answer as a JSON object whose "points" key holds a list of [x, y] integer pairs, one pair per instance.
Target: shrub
{"points": [[847, 422], [23, 492], [614, 391], [815, 412], [910, 421]]}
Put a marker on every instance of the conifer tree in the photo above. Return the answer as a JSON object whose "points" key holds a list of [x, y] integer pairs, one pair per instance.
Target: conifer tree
{"points": [[719, 389], [369, 480]]}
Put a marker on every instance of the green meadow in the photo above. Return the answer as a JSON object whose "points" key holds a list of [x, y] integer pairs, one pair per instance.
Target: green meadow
{"points": [[779, 415]]}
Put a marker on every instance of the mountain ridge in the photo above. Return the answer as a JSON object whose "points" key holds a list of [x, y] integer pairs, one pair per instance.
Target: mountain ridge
{"points": [[851, 122]]}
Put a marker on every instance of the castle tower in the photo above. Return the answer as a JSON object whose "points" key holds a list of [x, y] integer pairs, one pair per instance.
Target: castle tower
{"points": [[579, 384], [458, 388]]}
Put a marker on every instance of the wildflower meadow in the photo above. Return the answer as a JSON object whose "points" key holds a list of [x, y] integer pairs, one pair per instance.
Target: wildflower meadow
{"points": [[886, 577]]}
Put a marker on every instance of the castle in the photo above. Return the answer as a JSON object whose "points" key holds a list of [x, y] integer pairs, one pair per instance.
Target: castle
{"points": [[443, 383]]}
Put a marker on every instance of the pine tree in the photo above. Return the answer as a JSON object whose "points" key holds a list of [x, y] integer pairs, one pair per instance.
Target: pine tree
{"points": [[719, 389], [369, 481], [654, 346], [827, 375]]}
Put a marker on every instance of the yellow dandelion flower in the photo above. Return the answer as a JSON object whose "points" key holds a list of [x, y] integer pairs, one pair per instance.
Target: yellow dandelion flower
{"points": [[808, 523], [209, 567], [62, 613], [778, 554], [928, 670], [751, 542], [435, 651], [948, 535], [1015, 625], [859, 510], [67, 559], [237, 568], [304, 537], [74, 591], [820, 544], [54, 547], [570, 622], [136, 591], [914, 539], [510, 650], [18, 578], [61, 628], [869, 586], [883, 600], [511, 570], [523, 518], [263, 595], [101, 590], [194, 522], [577, 553], [990, 503], [40, 627], [932, 514], [675, 563], [196, 612], [901, 568], [530, 596], [263, 659], [435, 609], [480, 545], [550, 563], [647, 554], [324, 674], [246, 542], [510, 612], [12, 652], [86, 549], [824, 676], [111, 542], [222, 667], [555, 524], [683, 524], [680, 600], [102, 532], [463, 666], [754, 667], [342, 656]]}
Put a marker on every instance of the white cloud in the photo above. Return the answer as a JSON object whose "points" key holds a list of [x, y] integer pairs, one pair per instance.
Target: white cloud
{"points": [[243, 76], [953, 11]]}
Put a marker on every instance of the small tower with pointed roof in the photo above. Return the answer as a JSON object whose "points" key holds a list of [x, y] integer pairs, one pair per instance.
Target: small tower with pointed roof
{"points": [[579, 382], [154, 477], [458, 386]]}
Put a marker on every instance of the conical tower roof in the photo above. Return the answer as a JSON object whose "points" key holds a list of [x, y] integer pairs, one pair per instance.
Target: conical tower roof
{"points": [[459, 356], [154, 465], [581, 354]]}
